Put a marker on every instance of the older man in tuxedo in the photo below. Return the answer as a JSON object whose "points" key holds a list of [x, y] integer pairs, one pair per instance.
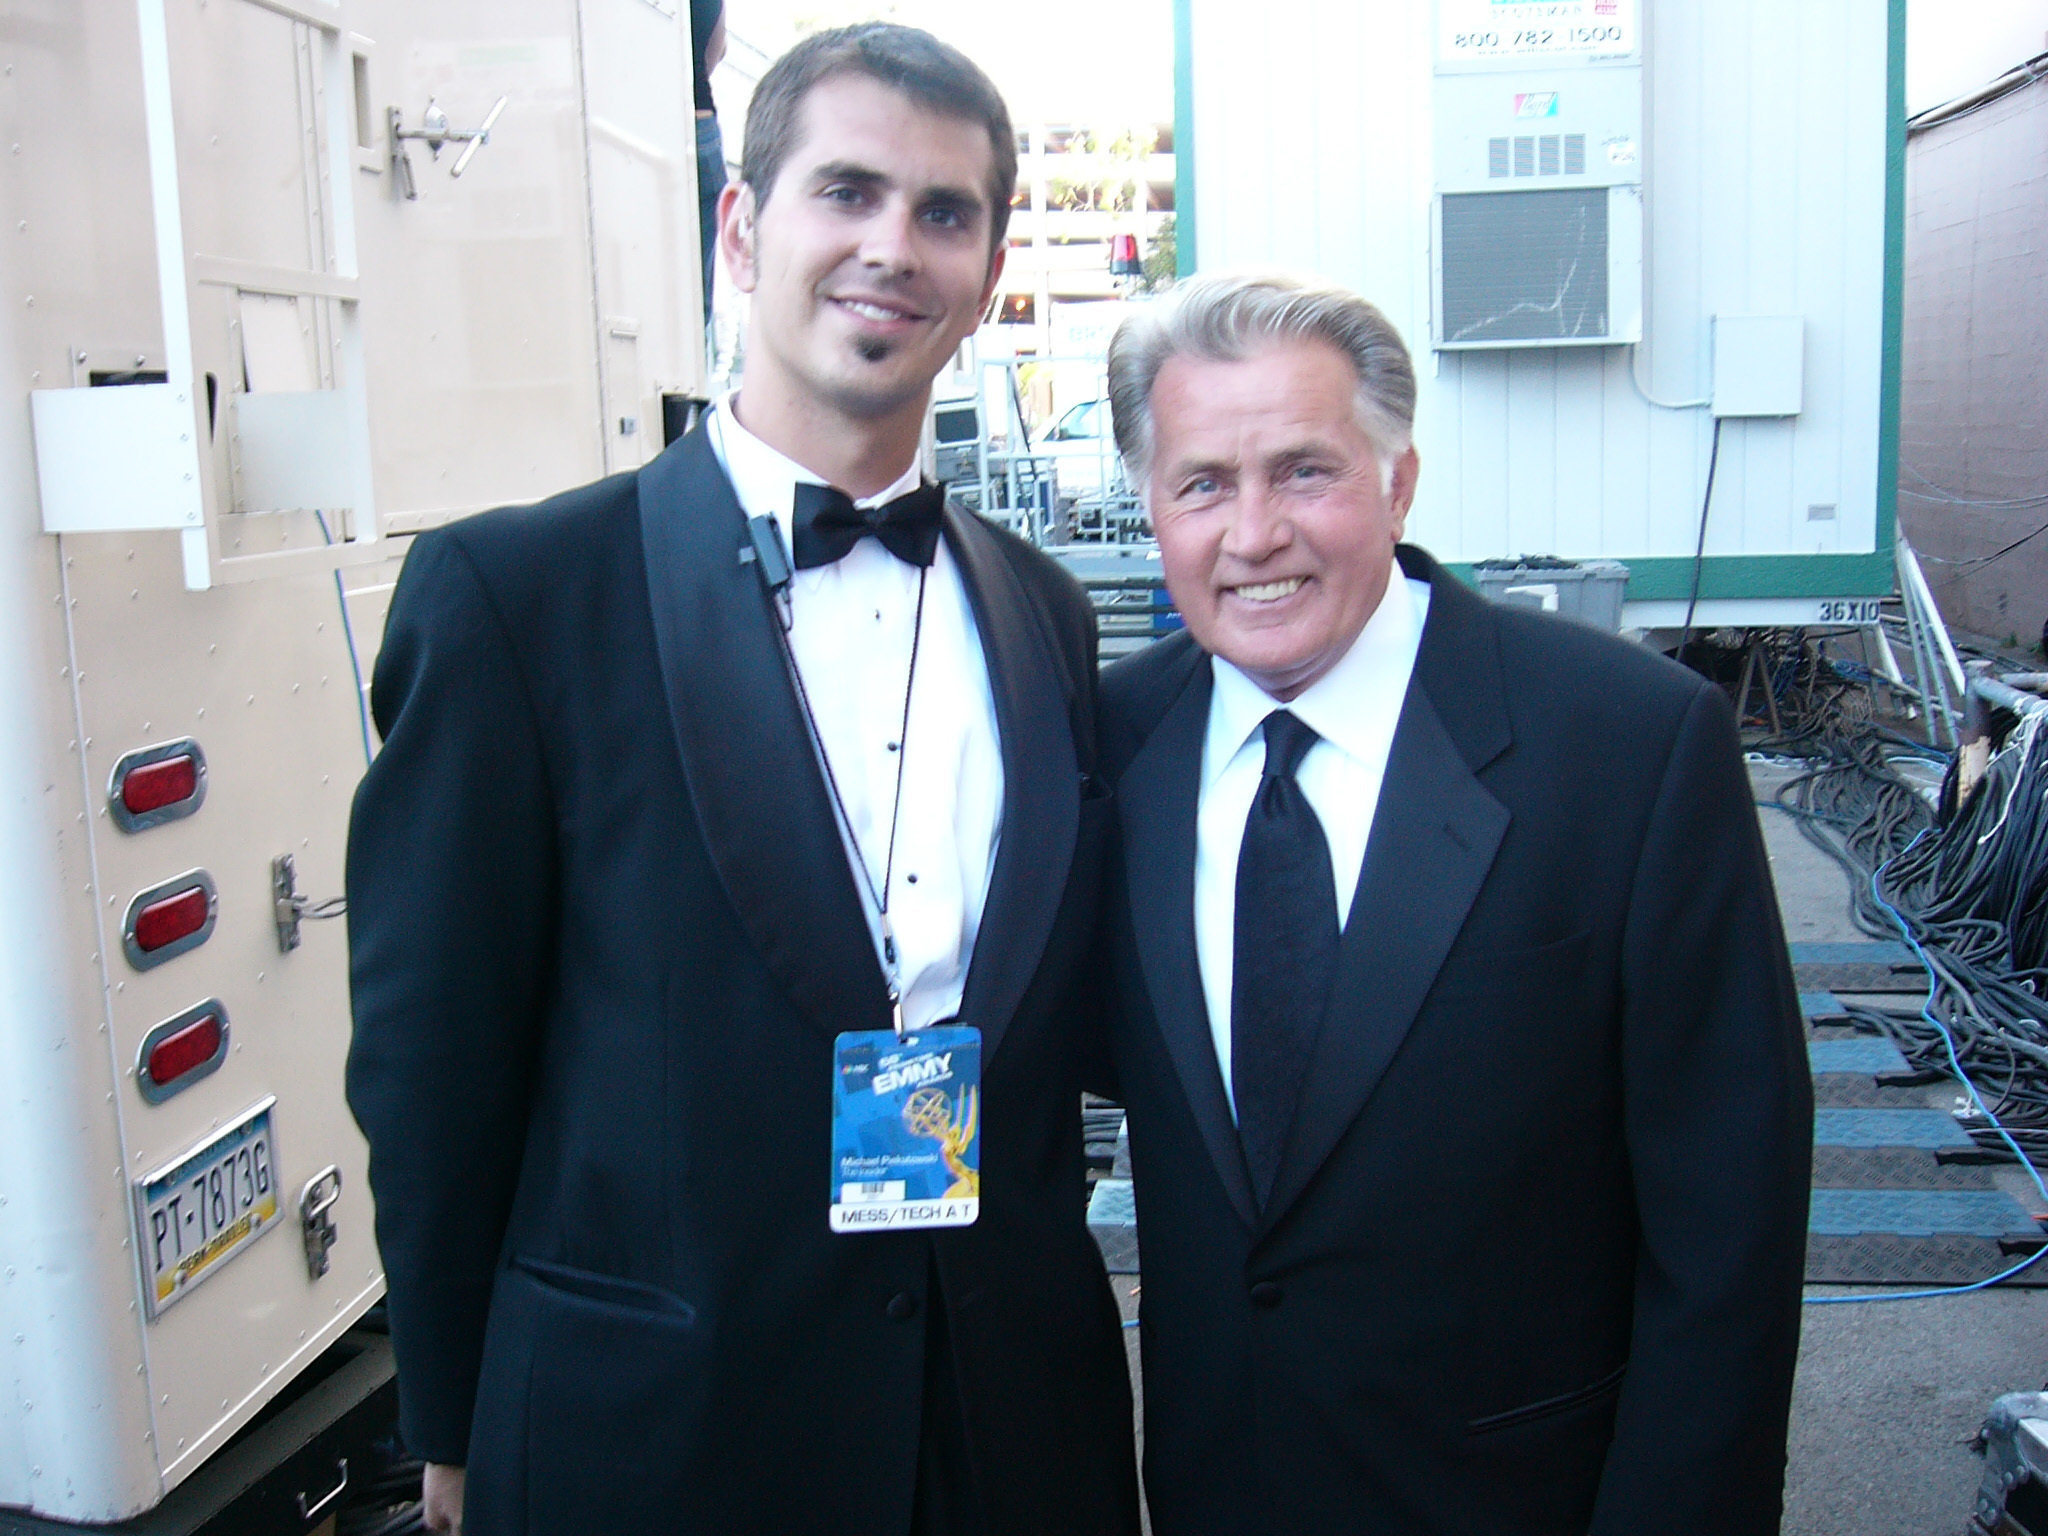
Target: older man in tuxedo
{"points": [[659, 826], [1468, 1102]]}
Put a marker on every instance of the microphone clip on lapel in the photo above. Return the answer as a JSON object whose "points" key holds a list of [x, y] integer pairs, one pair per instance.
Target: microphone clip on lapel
{"points": [[766, 552]]}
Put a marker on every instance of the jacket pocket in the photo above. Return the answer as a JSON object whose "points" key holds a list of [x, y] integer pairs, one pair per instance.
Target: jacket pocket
{"points": [[618, 1398], [609, 1290], [1549, 1407]]}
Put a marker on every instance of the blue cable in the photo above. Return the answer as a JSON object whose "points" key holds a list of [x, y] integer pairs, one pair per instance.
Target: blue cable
{"points": [[1948, 1039], [348, 632]]}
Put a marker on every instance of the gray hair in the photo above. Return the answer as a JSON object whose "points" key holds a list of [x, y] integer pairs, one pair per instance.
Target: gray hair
{"points": [[1227, 318]]}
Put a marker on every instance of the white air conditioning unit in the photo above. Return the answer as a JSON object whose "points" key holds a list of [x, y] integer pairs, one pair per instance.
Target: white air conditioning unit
{"points": [[1537, 235]]}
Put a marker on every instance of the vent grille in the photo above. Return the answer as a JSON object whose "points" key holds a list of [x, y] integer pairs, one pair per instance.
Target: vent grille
{"points": [[1525, 266], [1550, 155]]}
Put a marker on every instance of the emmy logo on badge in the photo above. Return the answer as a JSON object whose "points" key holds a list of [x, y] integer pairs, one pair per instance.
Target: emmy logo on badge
{"points": [[929, 1113]]}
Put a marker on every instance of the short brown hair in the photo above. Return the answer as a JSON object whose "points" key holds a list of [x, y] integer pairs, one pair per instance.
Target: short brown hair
{"points": [[933, 74]]}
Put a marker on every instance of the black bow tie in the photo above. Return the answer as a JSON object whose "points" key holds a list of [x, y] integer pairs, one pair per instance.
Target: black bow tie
{"points": [[828, 524]]}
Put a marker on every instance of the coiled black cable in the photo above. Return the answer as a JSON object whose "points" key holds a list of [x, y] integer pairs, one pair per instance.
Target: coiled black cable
{"points": [[1968, 886]]}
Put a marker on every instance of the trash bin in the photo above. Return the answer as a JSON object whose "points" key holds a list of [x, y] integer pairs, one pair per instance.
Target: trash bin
{"points": [[1587, 590]]}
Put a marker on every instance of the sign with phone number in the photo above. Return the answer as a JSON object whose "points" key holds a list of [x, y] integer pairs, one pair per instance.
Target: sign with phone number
{"points": [[1471, 30]]}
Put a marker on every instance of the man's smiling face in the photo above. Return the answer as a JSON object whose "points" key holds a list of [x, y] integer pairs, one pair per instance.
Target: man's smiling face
{"points": [[869, 261], [1275, 519]]}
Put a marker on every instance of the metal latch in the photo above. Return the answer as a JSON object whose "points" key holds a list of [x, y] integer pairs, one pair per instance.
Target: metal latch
{"points": [[434, 132], [315, 1201], [291, 908]]}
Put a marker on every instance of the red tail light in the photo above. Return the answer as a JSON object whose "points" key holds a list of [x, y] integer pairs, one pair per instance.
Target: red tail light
{"points": [[180, 1051], [163, 923], [152, 785], [157, 785], [167, 920]]}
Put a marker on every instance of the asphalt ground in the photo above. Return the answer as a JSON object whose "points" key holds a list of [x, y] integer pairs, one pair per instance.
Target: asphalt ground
{"points": [[1889, 1393]]}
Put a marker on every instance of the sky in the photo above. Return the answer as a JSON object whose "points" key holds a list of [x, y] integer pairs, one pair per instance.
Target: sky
{"points": [[1090, 60], [1954, 46]]}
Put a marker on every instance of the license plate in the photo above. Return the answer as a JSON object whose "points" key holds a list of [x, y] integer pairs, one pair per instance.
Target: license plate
{"points": [[199, 1212]]}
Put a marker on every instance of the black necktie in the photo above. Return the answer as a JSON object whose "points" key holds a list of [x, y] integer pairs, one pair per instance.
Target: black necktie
{"points": [[828, 524], [1286, 950]]}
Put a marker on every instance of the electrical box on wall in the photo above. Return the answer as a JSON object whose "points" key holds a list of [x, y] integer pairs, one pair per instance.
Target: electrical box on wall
{"points": [[1538, 228], [1759, 365]]}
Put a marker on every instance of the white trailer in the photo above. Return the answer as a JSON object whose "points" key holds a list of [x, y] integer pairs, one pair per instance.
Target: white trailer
{"points": [[1615, 233], [258, 333]]}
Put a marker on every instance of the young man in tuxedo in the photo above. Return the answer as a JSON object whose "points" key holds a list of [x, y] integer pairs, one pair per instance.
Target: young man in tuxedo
{"points": [[655, 822], [1470, 1117]]}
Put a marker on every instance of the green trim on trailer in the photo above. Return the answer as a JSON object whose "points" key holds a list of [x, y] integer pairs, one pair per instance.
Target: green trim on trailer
{"points": [[1669, 578], [1762, 576], [1892, 364], [1184, 136]]}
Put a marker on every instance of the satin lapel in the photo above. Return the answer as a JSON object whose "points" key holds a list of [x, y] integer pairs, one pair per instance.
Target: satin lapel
{"points": [[1434, 837], [747, 755], [1156, 801], [1041, 780]]}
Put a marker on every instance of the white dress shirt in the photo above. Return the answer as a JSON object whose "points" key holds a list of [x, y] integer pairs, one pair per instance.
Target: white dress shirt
{"points": [[1354, 708], [851, 624]]}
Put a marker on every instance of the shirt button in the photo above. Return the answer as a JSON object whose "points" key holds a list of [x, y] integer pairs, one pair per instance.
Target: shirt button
{"points": [[1266, 1294], [902, 1306]]}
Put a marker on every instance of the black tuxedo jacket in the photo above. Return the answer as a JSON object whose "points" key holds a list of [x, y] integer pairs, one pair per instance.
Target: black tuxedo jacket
{"points": [[603, 933], [1532, 1264]]}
